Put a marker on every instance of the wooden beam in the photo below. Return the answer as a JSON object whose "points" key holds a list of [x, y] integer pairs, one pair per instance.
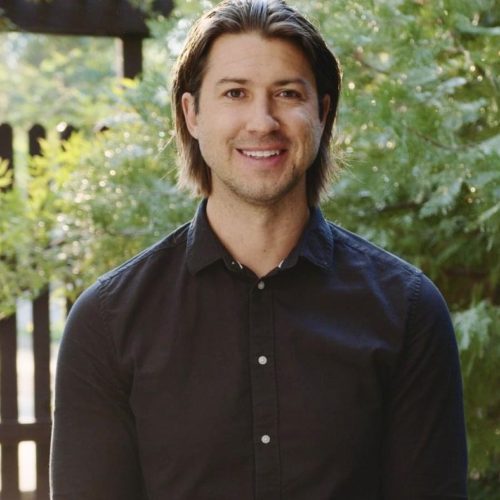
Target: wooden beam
{"points": [[116, 18], [131, 55], [13, 433]]}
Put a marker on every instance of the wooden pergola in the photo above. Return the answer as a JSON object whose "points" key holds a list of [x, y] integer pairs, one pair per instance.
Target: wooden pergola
{"points": [[101, 18], [108, 18]]}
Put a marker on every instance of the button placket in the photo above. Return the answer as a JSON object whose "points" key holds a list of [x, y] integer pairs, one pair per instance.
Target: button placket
{"points": [[264, 392]]}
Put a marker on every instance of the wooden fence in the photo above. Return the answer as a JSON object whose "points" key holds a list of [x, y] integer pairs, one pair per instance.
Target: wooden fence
{"points": [[13, 432], [90, 18]]}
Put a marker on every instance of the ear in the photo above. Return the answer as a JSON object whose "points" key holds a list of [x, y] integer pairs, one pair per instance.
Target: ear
{"points": [[190, 116], [325, 101]]}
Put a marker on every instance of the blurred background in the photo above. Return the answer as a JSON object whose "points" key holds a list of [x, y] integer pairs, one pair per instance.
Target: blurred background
{"points": [[418, 137]]}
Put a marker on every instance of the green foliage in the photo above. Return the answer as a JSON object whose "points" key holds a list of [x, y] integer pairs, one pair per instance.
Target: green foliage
{"points": [[419, 123], [22, 272], [54, 78], [419, 127], [479, 343], [106, 195]]}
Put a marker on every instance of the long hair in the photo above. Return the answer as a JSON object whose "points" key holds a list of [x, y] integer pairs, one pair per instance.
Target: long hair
{"points": [[271, 19]]}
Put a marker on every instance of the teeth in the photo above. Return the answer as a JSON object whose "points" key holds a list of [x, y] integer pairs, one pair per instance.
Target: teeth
{"points": [[261, 154]]}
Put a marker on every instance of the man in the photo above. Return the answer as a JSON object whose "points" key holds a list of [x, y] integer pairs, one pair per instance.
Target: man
{"points": [[259, 352]]}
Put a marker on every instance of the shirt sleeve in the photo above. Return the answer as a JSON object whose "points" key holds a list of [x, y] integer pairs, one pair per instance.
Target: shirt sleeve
{"points": [[425, 455], [94, 453]]}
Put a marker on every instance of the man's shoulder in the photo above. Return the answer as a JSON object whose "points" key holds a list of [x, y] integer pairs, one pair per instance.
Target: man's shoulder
{"points": [[149, 262], [117, 292], [355, 247], [370, 267]]}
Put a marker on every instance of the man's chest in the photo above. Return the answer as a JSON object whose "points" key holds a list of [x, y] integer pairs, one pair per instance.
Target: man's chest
{"points": [[262, 387]]}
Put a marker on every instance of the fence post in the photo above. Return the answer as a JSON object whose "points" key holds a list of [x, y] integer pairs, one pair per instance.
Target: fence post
{"points": [[65, 131], [7, 150], [8, 363], [9, 409], [41, 355]]}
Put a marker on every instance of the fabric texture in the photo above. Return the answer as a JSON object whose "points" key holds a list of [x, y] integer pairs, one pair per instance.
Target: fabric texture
{"points": [[184, 376]]}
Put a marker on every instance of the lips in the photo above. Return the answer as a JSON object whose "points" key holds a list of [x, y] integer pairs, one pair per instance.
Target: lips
{"points": [[264, 152], [268, 153]]}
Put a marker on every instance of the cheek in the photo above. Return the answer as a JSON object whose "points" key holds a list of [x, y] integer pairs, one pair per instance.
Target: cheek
{"points": [[208, 131], [308, 120], [316, 132], [218, 126], [207, 148], [310, 140], [311, 130], [212, 141]]}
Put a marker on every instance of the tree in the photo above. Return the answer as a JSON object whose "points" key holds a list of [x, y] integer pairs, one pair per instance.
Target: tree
{"points": [[420, 127], [54, 78]]}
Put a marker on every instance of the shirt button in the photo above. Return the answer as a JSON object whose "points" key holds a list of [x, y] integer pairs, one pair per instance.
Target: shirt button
{"points": [[262, 360], [265, 439], [261, 285]]}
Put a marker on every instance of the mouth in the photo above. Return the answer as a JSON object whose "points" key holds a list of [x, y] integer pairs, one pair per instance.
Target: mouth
{"points": [[261, 153]]}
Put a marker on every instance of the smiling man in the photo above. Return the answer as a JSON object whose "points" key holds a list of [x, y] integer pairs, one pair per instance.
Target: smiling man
{"points": [[257, 120], [260, 351]]}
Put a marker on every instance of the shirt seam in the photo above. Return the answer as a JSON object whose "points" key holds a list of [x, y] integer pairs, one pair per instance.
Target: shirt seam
{"points": [[101, 308], [178, 238], [412, 303], [416, 287], [341, 236], [109, 338]]}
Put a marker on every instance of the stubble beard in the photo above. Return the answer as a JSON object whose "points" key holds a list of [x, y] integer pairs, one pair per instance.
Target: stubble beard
{"points": [[262, 195]]}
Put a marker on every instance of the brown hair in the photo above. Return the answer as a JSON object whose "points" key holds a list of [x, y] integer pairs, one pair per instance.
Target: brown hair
{"points": [[272, 19]]}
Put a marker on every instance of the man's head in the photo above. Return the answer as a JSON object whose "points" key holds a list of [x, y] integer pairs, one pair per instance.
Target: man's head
{"points": [[272, 20]]}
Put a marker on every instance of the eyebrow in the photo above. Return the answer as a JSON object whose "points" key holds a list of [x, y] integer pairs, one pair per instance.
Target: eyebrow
{"points": [[293, 81], [245, 81], [225, 81]]}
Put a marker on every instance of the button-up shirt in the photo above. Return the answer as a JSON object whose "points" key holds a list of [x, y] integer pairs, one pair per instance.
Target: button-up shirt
{"points": [[183, 376]]}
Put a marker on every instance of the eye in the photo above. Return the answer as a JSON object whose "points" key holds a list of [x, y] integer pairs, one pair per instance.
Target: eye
{"points": [[289, 94], [235, 93]]}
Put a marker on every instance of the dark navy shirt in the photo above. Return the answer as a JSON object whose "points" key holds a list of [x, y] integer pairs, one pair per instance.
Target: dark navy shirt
{"points": [[183, 376]]}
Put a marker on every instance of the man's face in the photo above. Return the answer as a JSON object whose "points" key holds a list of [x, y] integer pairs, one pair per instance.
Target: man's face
{"points": [[258, 123]]}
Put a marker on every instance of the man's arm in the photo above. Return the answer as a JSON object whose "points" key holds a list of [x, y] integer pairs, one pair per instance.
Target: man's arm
{"points": [[425, 445], [94, 452]]}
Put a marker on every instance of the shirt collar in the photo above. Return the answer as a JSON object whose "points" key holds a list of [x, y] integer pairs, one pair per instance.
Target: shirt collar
{"points": [[204, 248], [315, 244]]}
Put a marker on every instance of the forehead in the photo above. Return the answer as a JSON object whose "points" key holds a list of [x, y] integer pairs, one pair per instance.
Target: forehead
{"points": [[255, 57]]}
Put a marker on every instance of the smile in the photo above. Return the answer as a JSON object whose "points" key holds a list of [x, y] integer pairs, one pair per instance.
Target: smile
{"points": [[261, 154]]}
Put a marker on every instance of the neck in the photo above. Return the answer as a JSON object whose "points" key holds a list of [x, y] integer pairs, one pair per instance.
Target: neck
{"points": [[259, 237]]}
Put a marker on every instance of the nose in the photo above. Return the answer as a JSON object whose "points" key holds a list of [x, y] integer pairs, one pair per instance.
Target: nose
{"points": [[262, 117]]}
